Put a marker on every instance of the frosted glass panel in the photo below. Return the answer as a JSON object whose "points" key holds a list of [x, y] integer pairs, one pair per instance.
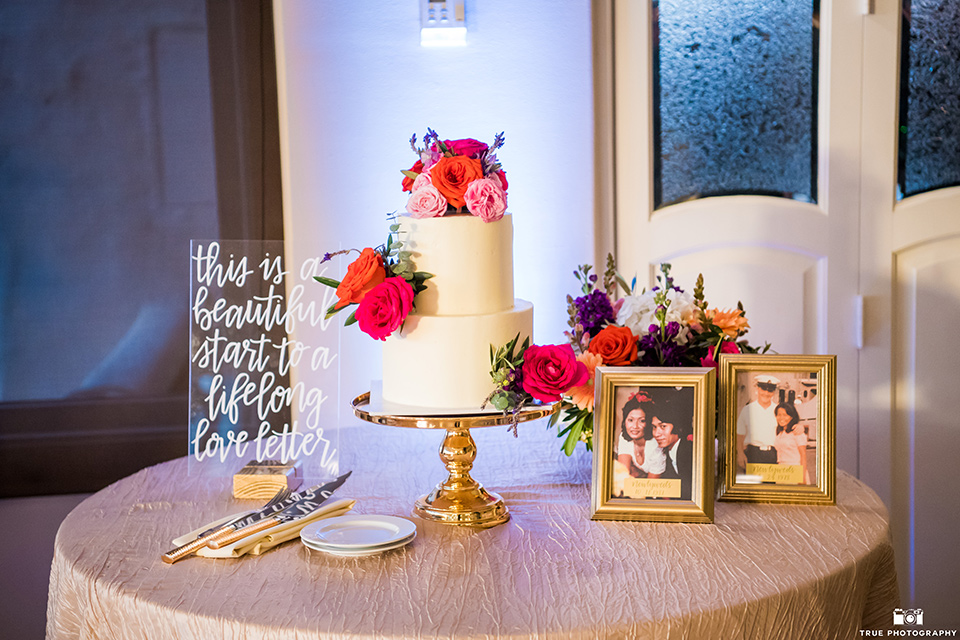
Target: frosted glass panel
{"points": [[929, 96], [735, 96]]}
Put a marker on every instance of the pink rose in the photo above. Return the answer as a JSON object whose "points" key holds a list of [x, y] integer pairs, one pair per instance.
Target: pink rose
{"points": [[727, 346], [385, 307], [423, 180], [466, 147], [426, 202], [485, 199], [549, 371]]}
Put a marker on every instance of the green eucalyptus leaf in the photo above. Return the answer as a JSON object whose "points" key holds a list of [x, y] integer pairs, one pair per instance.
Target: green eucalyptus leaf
{"points": [[330, 282]]}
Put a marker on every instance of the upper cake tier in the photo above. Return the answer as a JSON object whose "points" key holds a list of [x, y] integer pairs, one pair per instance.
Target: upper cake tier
{"points": [[471, 262]]}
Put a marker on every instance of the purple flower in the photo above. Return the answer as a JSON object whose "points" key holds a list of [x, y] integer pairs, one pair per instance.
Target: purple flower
{"points": [[594, 311], [514, 381], [660, 349]]}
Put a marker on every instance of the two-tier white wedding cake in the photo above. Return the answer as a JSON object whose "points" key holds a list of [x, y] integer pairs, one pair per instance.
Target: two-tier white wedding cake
{"points": [[441, 357]]}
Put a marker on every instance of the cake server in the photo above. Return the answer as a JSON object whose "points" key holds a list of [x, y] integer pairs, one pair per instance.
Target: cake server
{"points": [[308, 500]]}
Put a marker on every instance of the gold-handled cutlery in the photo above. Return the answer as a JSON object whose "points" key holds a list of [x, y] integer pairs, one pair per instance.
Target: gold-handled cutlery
{"points": [[192, 547], [299, 505], [302, 503]]}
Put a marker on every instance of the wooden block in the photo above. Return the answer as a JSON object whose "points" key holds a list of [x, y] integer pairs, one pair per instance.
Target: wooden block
{"points": [[260, 480]]}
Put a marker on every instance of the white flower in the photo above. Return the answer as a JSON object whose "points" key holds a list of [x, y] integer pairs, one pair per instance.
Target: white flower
{"points": [[639, 312]]}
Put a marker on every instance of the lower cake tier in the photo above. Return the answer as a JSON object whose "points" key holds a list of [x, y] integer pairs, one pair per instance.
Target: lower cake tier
{"points": [[444, 361]]}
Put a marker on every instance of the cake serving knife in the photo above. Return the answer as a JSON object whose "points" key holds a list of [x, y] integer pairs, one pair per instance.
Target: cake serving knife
{"points": [[304, 502]]}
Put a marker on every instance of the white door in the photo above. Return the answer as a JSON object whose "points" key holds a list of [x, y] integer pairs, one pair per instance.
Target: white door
{"points": [[909, 424], [800, 268], [792, 263]]}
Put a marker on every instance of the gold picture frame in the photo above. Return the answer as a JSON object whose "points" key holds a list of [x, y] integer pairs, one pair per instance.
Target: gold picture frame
{"points": [[778, 428], [670, 477]]}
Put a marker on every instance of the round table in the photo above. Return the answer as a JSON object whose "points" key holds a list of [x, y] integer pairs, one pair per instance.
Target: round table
{"points": [[761, 571]]}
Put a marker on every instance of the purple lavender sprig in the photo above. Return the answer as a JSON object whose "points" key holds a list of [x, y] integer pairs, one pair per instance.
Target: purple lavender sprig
{"points": [[489, 162], [498, 141], [432, 137]]}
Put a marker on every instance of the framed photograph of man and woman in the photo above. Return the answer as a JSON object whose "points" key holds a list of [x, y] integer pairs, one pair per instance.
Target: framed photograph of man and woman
{"points": [[778, 435], [653, 439]]}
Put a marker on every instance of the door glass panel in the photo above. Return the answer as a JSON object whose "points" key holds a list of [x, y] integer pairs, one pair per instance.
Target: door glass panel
{"points": [[735, 94], [929, 96], [106, 173]]}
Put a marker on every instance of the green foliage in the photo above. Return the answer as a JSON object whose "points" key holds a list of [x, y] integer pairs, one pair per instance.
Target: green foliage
{"points": [[583, 275], [611, 279], [330, 282], [577, 427], [505, 364]]}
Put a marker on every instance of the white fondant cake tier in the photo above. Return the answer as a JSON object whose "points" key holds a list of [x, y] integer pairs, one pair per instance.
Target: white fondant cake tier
{"points": [[444, 361], [471, 262]]}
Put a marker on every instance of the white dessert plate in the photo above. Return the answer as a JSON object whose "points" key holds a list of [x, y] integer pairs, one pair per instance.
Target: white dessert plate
{"points": [[356, 532], [364, 551]]}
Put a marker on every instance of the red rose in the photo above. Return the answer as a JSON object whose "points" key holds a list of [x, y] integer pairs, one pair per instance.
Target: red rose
{"points": [[407, 180], [451, 176], [550, 371], [503, 179], [385, 307], [466, 147], [727, 346], [616, 345], [363, 274]]}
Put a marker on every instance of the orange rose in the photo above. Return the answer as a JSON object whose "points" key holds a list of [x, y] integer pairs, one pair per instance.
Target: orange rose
{"points": [[616, 345], [731, 321], [363, 274], [452, 175]]}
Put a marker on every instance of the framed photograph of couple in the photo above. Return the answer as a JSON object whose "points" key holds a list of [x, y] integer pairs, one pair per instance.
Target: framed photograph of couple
{"points": [[778, 428], [653, 444]]}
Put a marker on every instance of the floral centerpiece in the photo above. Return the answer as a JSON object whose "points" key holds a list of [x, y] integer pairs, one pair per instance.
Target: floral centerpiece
{"points": [[663, 327], [448, 176]]}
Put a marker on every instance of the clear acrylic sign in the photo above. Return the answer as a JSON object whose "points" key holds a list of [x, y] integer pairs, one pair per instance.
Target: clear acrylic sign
{"points": [[256, 391]]}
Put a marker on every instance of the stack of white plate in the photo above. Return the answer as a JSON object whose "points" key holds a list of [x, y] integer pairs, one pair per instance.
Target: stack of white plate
{"points": [[358, 535]]}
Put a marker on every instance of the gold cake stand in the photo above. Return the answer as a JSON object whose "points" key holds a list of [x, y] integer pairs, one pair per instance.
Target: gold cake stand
{"points": [[460, 499]]}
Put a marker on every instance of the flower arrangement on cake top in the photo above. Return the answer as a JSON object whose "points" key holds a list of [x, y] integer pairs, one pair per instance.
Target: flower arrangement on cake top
{"points": [[663, 327], [449, 175], [452, 174], [381, 282]]}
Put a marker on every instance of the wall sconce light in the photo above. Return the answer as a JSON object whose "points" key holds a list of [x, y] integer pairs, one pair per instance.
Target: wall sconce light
{"points": [[442, 23]]}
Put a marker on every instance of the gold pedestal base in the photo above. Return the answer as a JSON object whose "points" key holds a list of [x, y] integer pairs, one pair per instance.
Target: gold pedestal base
{"points": [[459, 500]]}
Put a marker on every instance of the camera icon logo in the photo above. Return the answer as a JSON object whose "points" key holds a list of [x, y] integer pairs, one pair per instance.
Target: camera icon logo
{"points": [[908, 616]]}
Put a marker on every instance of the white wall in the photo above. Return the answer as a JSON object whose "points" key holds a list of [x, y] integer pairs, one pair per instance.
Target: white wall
{"points": [[355, 84]]}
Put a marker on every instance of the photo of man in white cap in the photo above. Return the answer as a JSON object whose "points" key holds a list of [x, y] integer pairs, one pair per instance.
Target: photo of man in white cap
{"points": [[757, 425]]}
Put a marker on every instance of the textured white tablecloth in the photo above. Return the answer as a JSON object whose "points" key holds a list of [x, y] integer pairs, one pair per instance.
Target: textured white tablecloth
{"points": [[761, 571]]}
